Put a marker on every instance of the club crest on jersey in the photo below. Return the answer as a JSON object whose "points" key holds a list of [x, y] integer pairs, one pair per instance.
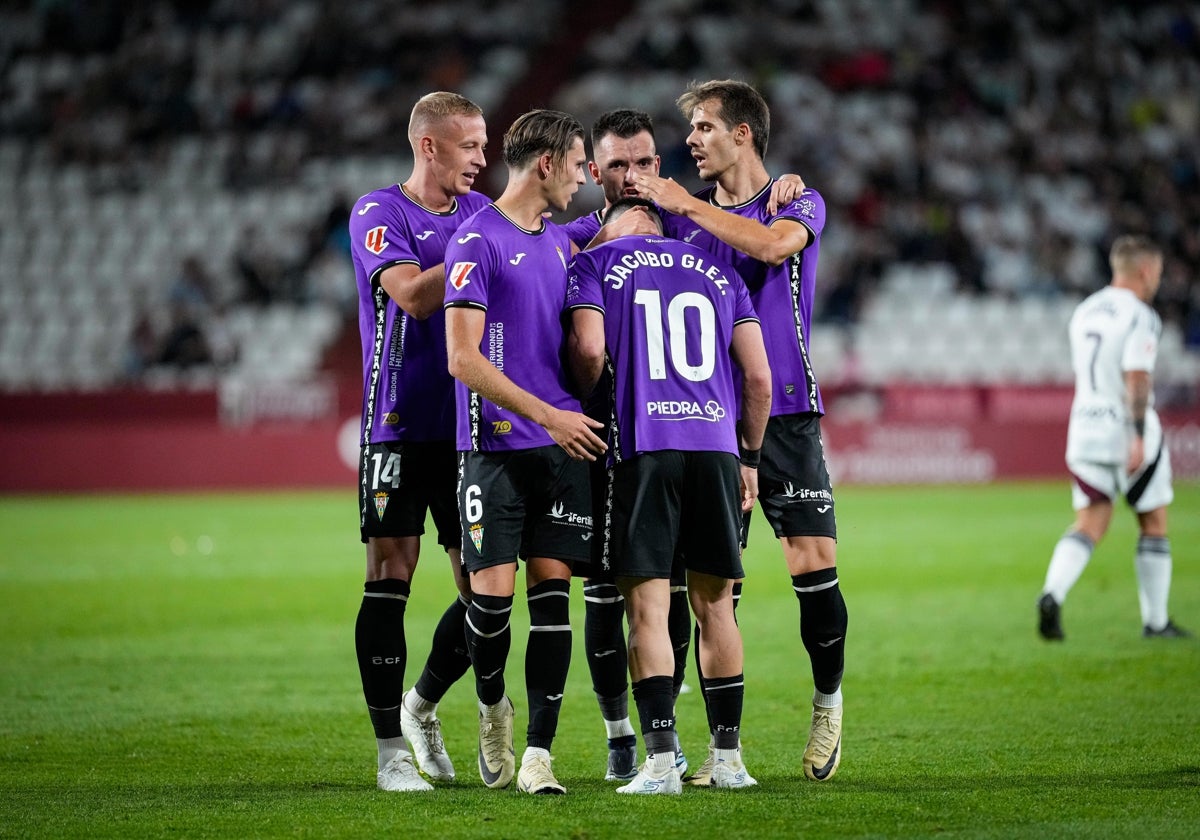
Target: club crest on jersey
{"points": [[460, 273], [376, 239], [476, 532], [381, 502]]}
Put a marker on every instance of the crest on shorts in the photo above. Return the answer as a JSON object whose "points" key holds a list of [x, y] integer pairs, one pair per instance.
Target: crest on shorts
{"points": [[476, 532], [381, 500]]}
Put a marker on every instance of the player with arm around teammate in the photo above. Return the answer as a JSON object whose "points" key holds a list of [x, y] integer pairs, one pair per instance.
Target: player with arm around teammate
{"points": [[670, 321], [408, 460], [1115, 444], [777, 256], [523, 441]]}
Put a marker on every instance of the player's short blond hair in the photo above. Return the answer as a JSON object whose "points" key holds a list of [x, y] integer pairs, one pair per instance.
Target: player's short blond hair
{"points": [[1128, 250], [434, 107]]}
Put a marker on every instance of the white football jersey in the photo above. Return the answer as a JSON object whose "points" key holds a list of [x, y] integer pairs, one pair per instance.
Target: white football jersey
{"points": [[1111, 332]]}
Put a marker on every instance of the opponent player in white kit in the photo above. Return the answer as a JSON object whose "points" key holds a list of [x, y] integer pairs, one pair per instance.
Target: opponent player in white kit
{"points": [[1115, 444]]}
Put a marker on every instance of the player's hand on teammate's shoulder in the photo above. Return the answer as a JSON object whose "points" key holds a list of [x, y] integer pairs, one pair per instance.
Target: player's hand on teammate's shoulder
{"points": [[783, 190]]}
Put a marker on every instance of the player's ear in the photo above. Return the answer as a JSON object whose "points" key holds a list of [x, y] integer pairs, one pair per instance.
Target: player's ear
{"points": [[595, 171], [545, 165], [427, 146]]}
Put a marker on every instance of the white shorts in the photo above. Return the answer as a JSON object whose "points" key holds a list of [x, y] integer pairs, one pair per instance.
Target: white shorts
{"points": [[1145, 490]]}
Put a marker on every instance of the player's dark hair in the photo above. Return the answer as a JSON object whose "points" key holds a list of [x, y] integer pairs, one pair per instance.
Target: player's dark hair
{"points": [[740, 103], [621, 205], [540, 132], [623, 123]]}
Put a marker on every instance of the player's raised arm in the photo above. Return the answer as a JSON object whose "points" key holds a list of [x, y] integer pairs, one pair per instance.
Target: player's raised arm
{"points": [[771, 244]]}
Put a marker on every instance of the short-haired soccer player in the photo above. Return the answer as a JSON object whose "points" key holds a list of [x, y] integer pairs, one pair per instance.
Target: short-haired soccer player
{"points": [[407, 463], [1115, 443], [777, 255], [670, 322], [523, 441]]}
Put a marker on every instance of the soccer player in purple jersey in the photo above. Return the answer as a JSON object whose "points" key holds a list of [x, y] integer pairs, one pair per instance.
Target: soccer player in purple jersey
{"points": [[669, 321], [777, 257], [623, 146], [408, 462], [523, 442]]}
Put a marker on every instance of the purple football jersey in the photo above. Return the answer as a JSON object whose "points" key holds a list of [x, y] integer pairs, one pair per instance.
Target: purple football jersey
{"points": [[669, 313], [519, 279], [408, 394], [782, 294], [584, 229]]}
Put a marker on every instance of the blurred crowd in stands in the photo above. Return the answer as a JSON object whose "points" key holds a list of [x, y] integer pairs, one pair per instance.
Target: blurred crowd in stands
{"points": [[1010, 139]]}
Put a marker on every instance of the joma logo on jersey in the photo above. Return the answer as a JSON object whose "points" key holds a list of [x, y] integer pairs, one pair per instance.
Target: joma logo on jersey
{"points": [[501, 427], [376, 239], [460, 273]]}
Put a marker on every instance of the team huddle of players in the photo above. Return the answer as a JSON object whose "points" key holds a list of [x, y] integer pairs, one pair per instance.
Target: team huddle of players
{"points": [[604, 399]]}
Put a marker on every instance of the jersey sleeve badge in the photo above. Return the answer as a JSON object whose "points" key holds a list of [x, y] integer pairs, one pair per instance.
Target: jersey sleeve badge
{"points": [[459, 273], [376, 240]]}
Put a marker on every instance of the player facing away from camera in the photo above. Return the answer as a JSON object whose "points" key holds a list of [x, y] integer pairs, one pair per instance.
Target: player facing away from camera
{"points": [[777, 257], [408, 461], [622, 146], [523, 441], [670, 321], [1115, 443]]}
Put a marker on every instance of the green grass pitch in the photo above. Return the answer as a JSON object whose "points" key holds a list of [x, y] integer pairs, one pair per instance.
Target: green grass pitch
{"points": [[183, 666]]}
